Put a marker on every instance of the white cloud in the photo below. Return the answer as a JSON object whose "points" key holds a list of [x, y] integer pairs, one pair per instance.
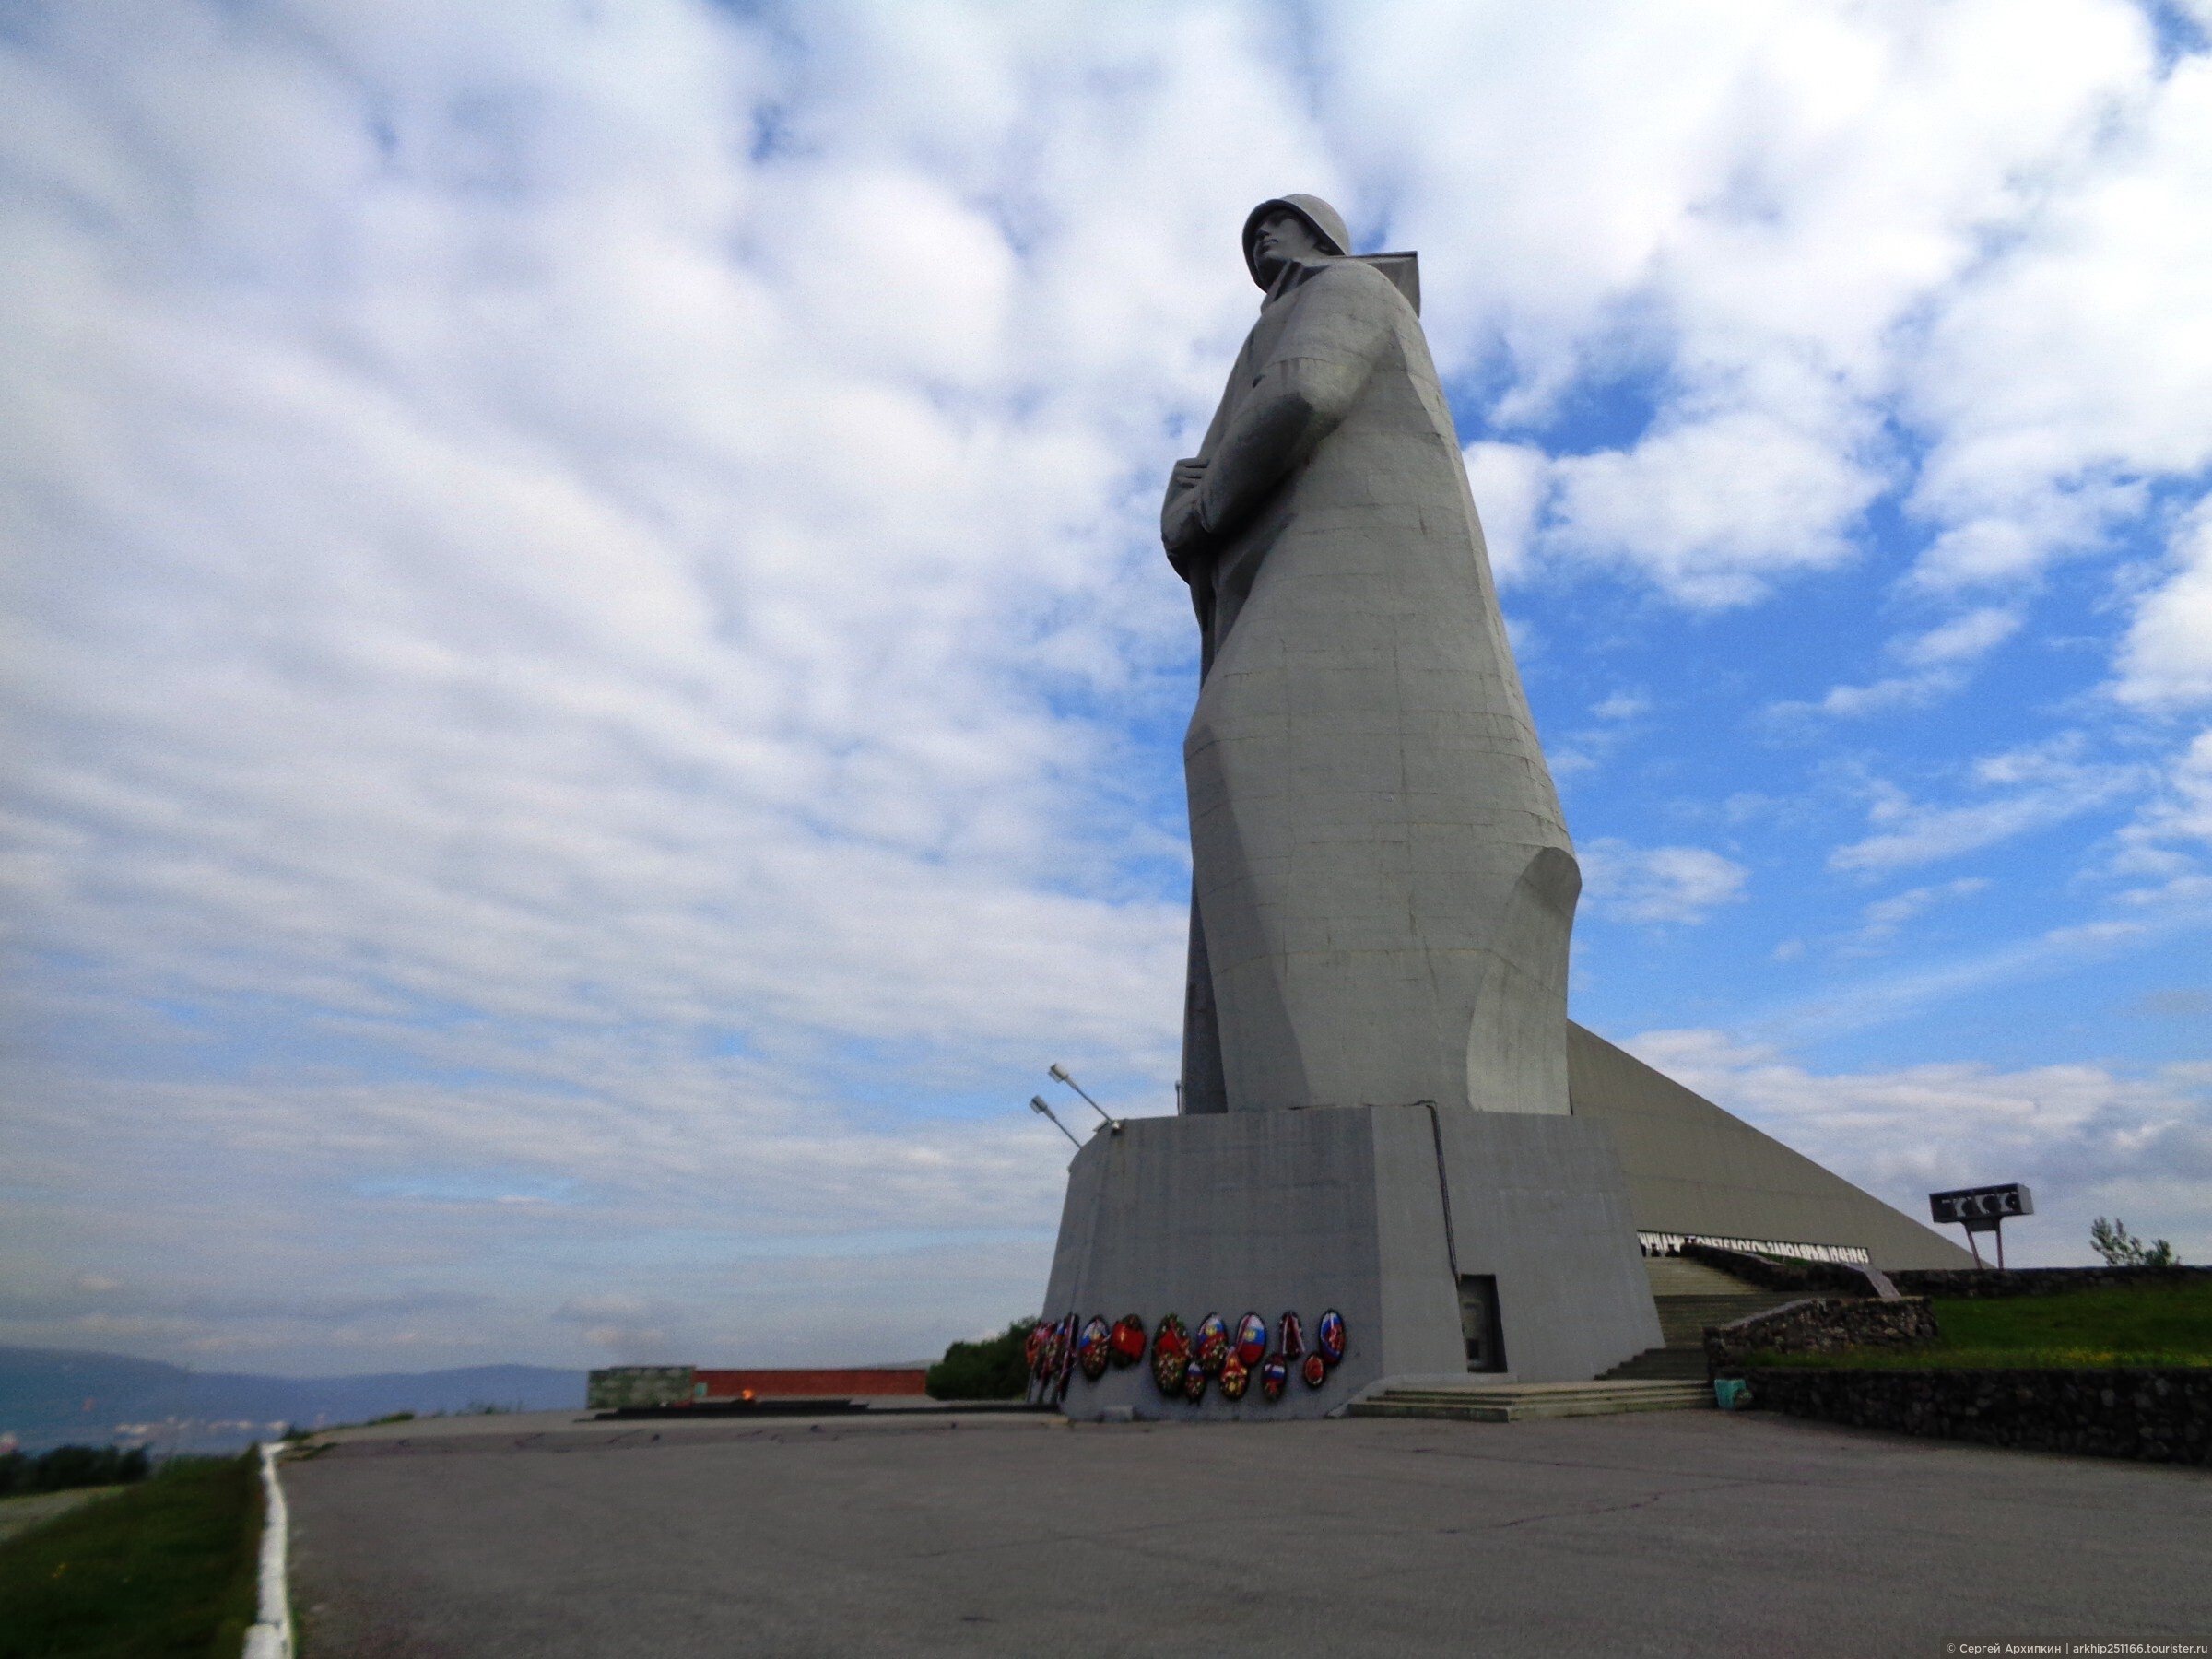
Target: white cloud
{"points": [[1964, 639], [2089, 1140], [1510, 482], [1572, 753], [2048, 782], [2181, 812], [1983, 964], [1899, 691], [1658, 884], [1714, 508], [590, 601], [1771, 214], [2164, 668], [1881, 920], [2165, 659], [617, 1323], [1926, 834], [1938, 658], [2072, 363]]}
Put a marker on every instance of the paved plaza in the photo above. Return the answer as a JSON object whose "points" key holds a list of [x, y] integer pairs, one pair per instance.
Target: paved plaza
{"points": [[1661, 1533]]}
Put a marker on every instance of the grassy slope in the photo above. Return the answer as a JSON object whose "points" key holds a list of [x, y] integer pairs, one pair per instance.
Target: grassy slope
{"points": [[35, 1509], [165, 1568], [2134, 1327]]}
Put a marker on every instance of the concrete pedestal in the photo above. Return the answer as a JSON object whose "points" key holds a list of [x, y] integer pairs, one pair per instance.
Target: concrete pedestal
{"points": [[1376, 1211]]}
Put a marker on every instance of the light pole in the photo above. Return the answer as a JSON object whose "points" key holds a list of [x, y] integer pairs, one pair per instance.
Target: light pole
{"points": [[1060, 1075], [1038, 1106]]}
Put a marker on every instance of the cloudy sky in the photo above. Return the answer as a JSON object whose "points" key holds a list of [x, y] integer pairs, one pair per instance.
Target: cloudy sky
{"points": [[592, 694]]}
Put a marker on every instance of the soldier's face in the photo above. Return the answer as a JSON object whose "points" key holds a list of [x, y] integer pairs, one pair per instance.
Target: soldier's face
{"points": [[1283, 239]]}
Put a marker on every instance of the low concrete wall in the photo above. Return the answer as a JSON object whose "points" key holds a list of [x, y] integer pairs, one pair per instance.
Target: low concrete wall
{"points": [[1821, 1325], [2043, 1281], [615, 1387], [860, 1383], [2154, 1416]]}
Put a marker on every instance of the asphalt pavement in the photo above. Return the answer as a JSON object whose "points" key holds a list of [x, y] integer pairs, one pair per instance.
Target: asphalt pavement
{"points": [[1677, 1532]]}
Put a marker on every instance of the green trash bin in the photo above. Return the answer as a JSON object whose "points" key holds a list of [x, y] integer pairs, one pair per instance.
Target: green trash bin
{"points": [[1732, 1394]]}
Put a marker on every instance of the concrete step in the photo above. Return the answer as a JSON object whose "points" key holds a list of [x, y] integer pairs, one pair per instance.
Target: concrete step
{"points": [[1513, 1403], [1671, 1276], [1621, 1396], [1512, 1390], [1683, 1319], [1751, 1301], [1454, 1412], [1660, 1363]]}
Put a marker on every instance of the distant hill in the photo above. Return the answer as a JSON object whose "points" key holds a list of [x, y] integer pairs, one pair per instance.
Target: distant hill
{"points": [[60, 1397]]}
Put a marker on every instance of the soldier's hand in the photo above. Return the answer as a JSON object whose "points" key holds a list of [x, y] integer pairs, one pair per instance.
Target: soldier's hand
{"points": [[1181, 529]]}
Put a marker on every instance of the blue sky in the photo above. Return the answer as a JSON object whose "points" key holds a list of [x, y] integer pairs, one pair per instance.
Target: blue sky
{"points": [[597, 695]]}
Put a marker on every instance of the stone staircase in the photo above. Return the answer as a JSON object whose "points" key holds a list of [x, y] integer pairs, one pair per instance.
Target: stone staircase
{"points": [[1511, 1402], [1690, 1297]]}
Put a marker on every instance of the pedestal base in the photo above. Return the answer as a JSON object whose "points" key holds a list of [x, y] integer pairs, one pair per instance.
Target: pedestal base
{"points": [[1386, 1214]]}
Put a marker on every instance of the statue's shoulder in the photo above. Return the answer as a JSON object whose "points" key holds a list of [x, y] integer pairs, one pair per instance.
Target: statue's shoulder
{"points": [[1358, 284], [1352, 275]]}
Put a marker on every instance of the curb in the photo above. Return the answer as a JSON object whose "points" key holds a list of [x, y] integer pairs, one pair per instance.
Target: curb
{"points": [[271, 1637]]}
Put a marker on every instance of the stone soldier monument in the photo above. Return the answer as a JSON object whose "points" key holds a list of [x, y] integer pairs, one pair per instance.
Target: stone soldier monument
{"points": [[1385, 1114], [1382, 883]]}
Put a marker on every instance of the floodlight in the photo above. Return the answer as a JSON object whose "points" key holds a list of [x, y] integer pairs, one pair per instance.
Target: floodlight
{"points": [[1038, 1106], [1059, 1074]]}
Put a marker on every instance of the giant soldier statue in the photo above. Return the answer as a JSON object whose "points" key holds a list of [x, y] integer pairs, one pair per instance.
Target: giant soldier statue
{"points": [[1383, 885], [1378, 1119]]}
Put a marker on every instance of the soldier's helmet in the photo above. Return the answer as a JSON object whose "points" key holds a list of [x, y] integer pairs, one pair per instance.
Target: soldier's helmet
{"points": [[1324, 220]]}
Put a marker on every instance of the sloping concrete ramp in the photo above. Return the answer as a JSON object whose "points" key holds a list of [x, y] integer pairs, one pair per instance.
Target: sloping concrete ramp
{"points": [[1695, 1169]]}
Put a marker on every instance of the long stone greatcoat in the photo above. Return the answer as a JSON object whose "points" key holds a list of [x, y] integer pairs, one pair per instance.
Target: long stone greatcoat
{"points": [[1382, 882]]}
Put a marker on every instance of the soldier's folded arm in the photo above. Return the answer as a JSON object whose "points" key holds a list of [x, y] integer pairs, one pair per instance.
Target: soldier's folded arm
{"points": [[1308, 385]]}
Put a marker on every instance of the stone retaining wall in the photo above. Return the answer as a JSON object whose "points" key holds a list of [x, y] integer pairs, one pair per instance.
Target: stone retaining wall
{"points": [[1819, 1326], [2158, 1415], [2041, 1281]]}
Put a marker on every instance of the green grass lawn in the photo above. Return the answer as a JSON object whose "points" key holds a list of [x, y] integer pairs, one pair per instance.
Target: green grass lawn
{"points": [[2139, 1326], [164, 1568]]}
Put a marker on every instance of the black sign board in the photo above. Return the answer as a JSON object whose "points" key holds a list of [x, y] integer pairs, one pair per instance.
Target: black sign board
{"points": [[1981, 1208]]}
